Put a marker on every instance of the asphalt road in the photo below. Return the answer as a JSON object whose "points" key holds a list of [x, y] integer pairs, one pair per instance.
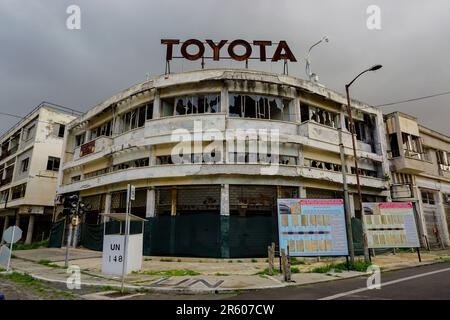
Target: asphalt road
{"points": [[430, 282]]}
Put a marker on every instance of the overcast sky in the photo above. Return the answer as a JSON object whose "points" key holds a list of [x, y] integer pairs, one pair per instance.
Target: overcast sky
{"points": [[119, 43]]}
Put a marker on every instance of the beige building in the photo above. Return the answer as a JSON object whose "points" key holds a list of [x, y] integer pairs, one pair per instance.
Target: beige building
{"points": [[29, 163], [129, 138], [420, 168]]}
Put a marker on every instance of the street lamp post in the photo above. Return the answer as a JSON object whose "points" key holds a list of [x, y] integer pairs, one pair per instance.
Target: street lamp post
{"points": [[309, 74], [352, 131]]}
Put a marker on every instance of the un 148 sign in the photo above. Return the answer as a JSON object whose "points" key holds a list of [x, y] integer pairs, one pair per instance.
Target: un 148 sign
{"points": [[113, 253]]}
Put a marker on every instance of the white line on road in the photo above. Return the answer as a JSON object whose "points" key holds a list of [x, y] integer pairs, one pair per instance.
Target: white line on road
{"points": [[343, 294]]}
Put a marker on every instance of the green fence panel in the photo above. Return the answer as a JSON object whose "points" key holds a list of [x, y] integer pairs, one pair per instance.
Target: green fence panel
{"points": [[92, 236], [250, 236], [56, 234]]}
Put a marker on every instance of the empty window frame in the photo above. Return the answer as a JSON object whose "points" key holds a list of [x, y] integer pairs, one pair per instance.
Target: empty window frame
{"points": [[104, 129], [53, 164], [29, 133], [24, 165], [80, 139], [443, 160], [136, 118], [144, 162], [192, 104], [4, 196], [428, 197], [322, 165], [60, 130], [319, 115], [259, 107], [96, 173], [75, 178], [18, 192], [412, 145]]}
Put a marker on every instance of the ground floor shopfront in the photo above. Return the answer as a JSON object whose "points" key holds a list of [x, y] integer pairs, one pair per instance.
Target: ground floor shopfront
{"points": [[35, 226], [203, 220]]}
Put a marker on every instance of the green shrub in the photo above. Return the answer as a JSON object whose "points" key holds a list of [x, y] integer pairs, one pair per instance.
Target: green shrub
{"points": [[35, 245], [358, 265], [170, 273]]}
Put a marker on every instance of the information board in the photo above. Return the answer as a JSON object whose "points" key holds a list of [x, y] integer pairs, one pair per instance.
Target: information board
{"points": [[312, 227], [390, 225]]}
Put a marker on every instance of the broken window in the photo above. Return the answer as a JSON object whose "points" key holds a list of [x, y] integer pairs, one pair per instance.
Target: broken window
{"points": [[96, 173], [18, 192], [322, 165], [136, 118], [101, 130], [79, 139], [259, 107], [197, 104], [412, 145], [319, 115], [443, 160], [393, 142], [143, 162]]}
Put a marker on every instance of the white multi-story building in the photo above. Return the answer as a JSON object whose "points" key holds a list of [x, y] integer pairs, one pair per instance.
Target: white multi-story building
{"points": [[222, 199], [420, 168], [29, 163]]}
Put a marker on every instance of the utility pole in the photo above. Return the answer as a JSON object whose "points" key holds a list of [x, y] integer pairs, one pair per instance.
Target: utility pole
{"points": [[348, 218], [358, 185]]}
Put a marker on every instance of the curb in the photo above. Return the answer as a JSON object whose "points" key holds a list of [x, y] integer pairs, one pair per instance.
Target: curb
{"points": [[218, 290]]}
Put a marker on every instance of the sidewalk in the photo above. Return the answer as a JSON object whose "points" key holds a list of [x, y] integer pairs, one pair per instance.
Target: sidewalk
{"points": [[197, 274]]}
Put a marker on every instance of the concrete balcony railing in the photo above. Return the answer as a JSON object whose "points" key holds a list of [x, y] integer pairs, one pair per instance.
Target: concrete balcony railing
{"points": [[92, 147], [160, 130], [410, 162], [322, 133], [399, 191]]}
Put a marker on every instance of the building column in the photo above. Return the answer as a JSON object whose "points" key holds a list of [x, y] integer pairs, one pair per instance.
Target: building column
{"points": [[156, 106], [151, 203], [17, 223], [225, 221], [30, 229], [421, 217], [225, 200], [173, 211], [351, 200], [302, 192], [108, 202], [5, 226], [443, 220], [224, 102]]}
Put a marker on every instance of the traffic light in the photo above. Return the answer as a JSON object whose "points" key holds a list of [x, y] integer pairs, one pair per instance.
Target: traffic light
{"points": [[70, 205]]}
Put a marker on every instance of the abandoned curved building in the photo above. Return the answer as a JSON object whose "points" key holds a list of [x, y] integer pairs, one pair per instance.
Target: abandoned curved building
{"points": [[210, 152]]}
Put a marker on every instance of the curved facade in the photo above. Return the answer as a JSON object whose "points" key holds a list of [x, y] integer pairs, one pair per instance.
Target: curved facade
{"points": [[214, 149]]}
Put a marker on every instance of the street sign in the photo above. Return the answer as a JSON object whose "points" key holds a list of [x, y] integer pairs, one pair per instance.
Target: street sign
{"points": [[12, 234], [132, 193], [4, 256]]}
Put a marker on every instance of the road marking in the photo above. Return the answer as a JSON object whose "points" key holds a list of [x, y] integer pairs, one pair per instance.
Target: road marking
{"points": [[343, 294]]}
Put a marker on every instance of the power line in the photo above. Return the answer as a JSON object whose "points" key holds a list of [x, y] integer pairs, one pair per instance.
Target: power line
{"points": [[414, 99], [11, 115]]}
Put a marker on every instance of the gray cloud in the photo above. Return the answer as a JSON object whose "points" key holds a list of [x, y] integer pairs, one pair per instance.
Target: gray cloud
{"points": [[120, 42]]}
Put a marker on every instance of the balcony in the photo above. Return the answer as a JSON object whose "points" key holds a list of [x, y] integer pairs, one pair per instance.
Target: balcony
{"points": [[400, 191], [326, 134], [412, 162], [92, 147]]}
